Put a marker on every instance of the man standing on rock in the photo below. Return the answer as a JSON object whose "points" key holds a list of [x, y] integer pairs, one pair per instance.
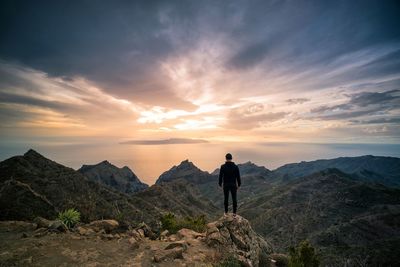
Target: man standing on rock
{"points": [[229, 178]]}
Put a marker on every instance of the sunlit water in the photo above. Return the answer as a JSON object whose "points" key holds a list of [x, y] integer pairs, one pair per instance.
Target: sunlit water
{"points": [[149, 161]]}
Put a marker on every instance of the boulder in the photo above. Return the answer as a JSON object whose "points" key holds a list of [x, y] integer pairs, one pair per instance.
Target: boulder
{"points": [[85, 231], [164, 235], [181, 244], [235, 235], [147, 231], [168, 254], [42, 222], [57, 225], [106, 225], [188, 234]]}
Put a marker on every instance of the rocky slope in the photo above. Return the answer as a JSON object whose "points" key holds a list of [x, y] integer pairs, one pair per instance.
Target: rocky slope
{"points": [[121, 179], [384, 170], [180, 197], [32, 185], [102, 243], [340, 215]]}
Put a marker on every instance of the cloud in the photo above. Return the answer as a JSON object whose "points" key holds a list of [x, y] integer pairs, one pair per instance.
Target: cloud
{"points": [[294, 101], [360, 104], [171, 141], [251, 116]]}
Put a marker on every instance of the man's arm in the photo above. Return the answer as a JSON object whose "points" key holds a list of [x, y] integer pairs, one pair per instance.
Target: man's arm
{"points": [[239, 182], [221, 174]]}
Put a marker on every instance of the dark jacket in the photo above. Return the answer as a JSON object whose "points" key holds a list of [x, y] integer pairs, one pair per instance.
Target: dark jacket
{"points": [[229, 174]]}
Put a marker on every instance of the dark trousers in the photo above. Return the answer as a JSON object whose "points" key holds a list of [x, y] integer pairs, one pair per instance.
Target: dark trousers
{"points": [[233, 190]]}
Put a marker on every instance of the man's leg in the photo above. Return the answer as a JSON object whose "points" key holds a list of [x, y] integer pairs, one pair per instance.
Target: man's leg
{"points": [[226, 198], [234, 199]]}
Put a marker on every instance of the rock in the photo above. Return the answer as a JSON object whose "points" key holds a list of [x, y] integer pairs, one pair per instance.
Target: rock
{"points": [[147, 231], [236, 236], [135, 234], [40, 232], [134, 243], [42, 222], [188, 234], [181, 244], [106, 225], [107, 236], [57, 225], [172, 238], [163, 235], [141, 233], [168, 254]]}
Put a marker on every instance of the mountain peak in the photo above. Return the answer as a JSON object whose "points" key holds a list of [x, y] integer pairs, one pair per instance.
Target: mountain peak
{"points": [[186, 169], [123, 179], [105, 162], [32, 153]]}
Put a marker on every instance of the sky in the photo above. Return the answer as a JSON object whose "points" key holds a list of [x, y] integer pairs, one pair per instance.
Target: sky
{"points": [[192, 72]]}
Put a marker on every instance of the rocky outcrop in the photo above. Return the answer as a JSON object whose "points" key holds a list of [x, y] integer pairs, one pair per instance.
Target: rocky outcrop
{"points": [[105, 225], [236, 236], [122, 179]]}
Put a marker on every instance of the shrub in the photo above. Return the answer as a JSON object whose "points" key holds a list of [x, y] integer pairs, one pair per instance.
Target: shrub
{"points": [[303, 255], [168, 222], [229, 261], [173, 224], [69, 217]]}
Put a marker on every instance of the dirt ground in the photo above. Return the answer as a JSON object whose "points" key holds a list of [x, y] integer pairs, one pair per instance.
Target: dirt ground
{"points": [[30, 247]]}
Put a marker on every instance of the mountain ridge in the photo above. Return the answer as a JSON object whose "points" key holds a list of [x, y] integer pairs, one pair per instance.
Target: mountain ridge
{"points": [[122, 179]]}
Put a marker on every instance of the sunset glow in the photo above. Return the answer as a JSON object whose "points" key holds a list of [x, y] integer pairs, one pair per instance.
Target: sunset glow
{"points": [[286, 71]]}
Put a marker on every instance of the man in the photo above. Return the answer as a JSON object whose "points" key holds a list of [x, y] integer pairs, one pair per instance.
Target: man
{"points": [[229, 178]]}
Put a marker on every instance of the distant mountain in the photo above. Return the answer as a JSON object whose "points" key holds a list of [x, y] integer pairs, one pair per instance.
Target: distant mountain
{"points": [[186, 170], [122, 179], [43, 187], [32, 185], [384, 170], [340, 215], [249, 168]]}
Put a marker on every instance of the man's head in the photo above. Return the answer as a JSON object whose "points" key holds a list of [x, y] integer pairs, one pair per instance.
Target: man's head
{"points": [[228, 157]]}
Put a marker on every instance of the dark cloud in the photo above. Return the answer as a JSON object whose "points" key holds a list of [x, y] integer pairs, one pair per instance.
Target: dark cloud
{"points": [[120, 44], [293, 101], [377, 121], [32, 101], [171, 141], [360, 104], [373, 98]]}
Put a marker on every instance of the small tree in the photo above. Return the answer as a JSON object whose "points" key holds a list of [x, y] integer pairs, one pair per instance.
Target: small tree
{"points": [[303, 255], [69, 217]]}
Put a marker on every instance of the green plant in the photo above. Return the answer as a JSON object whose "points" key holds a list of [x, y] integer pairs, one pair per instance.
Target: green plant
{"points": [[229, 261], [303, 255], [173, 224], [69, 217], [168, 222]]}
